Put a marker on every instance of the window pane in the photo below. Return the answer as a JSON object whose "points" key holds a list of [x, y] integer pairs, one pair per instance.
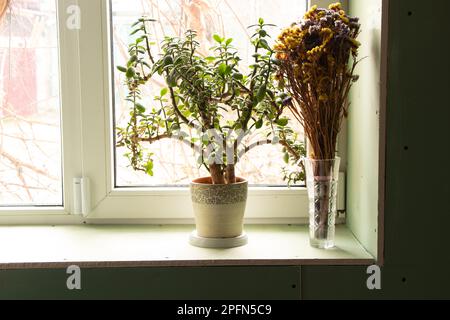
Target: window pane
{"points": [[175, 163], [30, 139]]}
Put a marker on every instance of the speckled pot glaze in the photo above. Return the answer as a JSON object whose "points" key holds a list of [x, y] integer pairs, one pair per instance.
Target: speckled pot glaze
{"points": [[219, 209]]}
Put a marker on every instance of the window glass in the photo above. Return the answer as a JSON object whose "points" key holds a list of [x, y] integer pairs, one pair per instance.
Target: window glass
{"points": [[174, 162], [30, 126]]}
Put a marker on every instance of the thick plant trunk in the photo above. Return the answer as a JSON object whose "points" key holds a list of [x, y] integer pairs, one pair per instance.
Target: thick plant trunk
{"points": [[231, 174], [217, 174]]}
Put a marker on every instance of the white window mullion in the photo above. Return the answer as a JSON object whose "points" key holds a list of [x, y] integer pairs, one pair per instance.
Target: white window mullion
{"points": [[70, 101], [94, 97]]}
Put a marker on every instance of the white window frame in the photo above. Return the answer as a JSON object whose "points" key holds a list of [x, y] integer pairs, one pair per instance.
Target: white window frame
{"points": [[87, 126], [70, 124]]}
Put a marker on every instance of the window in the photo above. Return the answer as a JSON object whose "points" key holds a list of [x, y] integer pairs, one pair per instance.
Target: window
{"points": [[91, 99], [60, 101], [30, 126], [175, 163]]}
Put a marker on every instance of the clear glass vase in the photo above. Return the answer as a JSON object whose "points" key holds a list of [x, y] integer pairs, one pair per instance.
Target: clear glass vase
{"points": [[322, 182]]}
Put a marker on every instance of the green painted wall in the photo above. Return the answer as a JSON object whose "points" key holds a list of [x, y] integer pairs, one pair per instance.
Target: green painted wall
{"points": [[363, 129], [417, 208], [417, 212]]}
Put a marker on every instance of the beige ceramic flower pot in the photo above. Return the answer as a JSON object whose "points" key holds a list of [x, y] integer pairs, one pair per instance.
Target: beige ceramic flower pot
{"points": [[219, 209]]}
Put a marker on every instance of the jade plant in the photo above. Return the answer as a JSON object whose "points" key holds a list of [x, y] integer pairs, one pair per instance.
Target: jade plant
{"points": [[208, 103]]}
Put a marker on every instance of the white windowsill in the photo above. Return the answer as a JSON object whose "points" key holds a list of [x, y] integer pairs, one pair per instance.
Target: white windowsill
{"points": [[167, 246]]}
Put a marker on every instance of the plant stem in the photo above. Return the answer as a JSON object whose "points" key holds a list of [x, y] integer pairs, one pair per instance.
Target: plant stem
{"points": [[231, 174], [217, 174], [177, 110]]}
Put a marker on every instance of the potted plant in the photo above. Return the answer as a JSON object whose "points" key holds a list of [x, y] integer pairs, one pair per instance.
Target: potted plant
{"points": [[212, 106], [317, 59]]}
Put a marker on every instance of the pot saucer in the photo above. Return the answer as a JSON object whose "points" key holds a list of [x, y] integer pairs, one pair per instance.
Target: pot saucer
{"points": [[218, 243]]}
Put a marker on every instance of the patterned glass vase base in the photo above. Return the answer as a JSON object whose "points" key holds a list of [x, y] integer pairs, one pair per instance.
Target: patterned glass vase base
{"points": [[321, 244], [322, 182]]}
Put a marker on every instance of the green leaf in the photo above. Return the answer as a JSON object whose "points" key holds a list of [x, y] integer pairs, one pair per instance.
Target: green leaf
{"points": [[261, 93], [130, 73], [168, 60], [229, 41], [283, 122], [218, 38], [172, 80], [286, 158], [135, 31], [259, 124], [133, 59], [263, 33], [122, 69], [145, 19], [149, 168], [261, 21], [136, 23], [238, 76], [164, 92], [224, 69], [140, 108], [264, 44]]}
